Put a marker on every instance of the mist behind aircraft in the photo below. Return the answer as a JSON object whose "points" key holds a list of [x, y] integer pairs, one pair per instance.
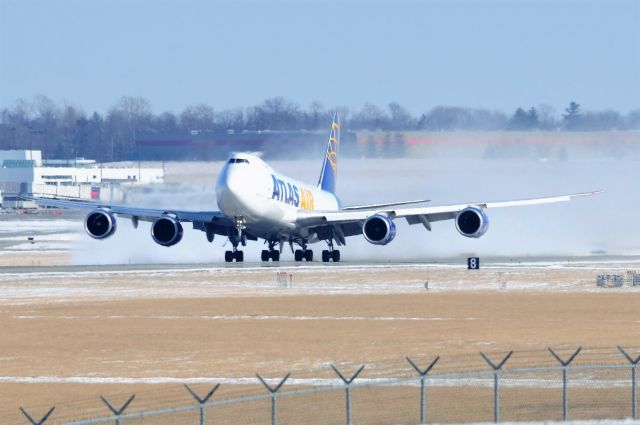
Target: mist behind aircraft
{"points": [[601, 224]]}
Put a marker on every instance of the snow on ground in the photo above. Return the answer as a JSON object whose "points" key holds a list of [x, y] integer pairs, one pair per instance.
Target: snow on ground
{"points": [[78, 283], [466, 379], [46, 235], [18, 225]]}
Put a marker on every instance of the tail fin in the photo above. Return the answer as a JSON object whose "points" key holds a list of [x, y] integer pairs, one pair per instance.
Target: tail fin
{"points": [[329, 172]]}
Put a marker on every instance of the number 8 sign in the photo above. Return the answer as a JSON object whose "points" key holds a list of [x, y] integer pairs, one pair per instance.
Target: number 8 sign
{"points": [[473, 263]]}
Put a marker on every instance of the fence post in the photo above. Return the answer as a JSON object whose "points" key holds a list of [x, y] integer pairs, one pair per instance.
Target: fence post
{"points": [[274, 396], [423, 394], [202, 401], [634, 394], [347, 383], [565, 369], [117, 412], [41, 421], [497, 368]]}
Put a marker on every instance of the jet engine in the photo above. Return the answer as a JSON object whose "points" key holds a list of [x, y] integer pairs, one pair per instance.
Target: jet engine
{"points": [[100, 224], [166, 231], [472, 222], [379, 229]]}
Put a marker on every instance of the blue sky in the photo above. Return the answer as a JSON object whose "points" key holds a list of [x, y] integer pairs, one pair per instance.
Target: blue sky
{"points": [[497, 54]]}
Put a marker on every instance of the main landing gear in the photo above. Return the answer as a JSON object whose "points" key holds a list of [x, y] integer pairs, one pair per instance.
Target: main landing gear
{"points": [[330, 254], [236, 255], [271, 253], [304, 253]]}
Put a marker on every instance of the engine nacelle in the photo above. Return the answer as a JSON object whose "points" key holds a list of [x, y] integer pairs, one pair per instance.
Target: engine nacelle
{"points": [[379, 229], [100, 224], [472, 222], [166, 231]]}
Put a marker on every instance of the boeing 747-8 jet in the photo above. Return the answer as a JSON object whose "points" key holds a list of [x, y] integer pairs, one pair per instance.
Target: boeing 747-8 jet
{"points": [[256, 202]]}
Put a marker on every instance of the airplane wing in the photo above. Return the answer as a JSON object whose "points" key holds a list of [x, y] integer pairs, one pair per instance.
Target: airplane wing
{"points": [[349, 222], [144, 214]]}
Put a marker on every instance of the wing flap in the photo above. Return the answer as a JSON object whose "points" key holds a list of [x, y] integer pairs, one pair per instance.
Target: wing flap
{"points": [[378, 206]]}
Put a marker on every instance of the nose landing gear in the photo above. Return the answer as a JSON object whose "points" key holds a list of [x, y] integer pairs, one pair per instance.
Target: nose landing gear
{"points": [[237, 237]]}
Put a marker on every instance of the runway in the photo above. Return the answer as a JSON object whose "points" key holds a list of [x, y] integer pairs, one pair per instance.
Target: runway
{"points": [[69, 283]]}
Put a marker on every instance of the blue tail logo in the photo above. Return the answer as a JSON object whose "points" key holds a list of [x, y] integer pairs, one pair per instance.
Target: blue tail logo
{"points": [[329, 171]]}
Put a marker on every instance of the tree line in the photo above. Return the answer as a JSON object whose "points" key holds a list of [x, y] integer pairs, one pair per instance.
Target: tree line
{"points": [[66, 131]]}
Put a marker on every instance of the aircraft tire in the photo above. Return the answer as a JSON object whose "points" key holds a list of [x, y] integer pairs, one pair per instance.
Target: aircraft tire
{"points": [[326, 256], [275, 255], [228, 256], [335, 256], [308, 255], [264, 256], [298, 254], [239, 256]]}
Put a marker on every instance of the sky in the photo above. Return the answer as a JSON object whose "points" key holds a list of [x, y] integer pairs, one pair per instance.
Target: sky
{"points": [[495, 54]]}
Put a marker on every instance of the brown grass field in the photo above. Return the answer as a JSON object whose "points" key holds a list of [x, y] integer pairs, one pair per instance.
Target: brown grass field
{"points": [[69, 330]]}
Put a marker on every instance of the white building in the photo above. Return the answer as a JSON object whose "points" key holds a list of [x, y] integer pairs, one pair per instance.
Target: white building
{"points": [[23, 171]]}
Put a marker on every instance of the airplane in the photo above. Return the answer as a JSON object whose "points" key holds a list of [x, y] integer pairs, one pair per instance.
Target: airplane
{"points": [[256, 202]]}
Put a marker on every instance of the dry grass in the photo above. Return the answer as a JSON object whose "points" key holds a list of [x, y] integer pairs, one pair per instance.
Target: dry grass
{"points": [[235, 336]]}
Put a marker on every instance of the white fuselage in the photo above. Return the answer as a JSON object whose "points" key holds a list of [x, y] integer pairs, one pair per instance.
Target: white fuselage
{"points": [[267, 202]]}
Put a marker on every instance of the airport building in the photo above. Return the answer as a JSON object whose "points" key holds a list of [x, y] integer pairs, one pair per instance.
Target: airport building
{"points": [[25, 172]]}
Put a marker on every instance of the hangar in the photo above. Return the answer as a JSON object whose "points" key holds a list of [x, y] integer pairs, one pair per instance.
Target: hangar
{"points": [[25, 172]]}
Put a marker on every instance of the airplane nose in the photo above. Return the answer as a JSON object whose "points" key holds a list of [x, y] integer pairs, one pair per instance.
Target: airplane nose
{"points": [[234, 190], [237, 183]]}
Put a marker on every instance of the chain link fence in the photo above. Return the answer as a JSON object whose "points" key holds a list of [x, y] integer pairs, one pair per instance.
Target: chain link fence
{"points": [[561, 391]]}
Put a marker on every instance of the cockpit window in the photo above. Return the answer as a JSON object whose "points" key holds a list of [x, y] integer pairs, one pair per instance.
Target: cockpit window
{"points": [[238, 160]]}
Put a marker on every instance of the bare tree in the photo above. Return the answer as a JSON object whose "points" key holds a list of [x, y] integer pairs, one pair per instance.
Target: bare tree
{"points": [[315, 116], [547, 116], [131, 116], [200, 117], [68, 144], [45, 122], [65, 131], [370, 117], [401, 119]]}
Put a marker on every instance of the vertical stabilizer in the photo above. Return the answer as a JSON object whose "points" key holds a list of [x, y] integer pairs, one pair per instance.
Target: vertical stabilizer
{"points": [[329, 173]]}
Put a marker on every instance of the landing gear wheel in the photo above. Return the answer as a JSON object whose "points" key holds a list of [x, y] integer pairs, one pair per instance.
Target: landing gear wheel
{"points": [[298, 254], [308, 255], [264, 256], [228, 256], [335, 256], [275, 255], [326, 255], [239, 255]]}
